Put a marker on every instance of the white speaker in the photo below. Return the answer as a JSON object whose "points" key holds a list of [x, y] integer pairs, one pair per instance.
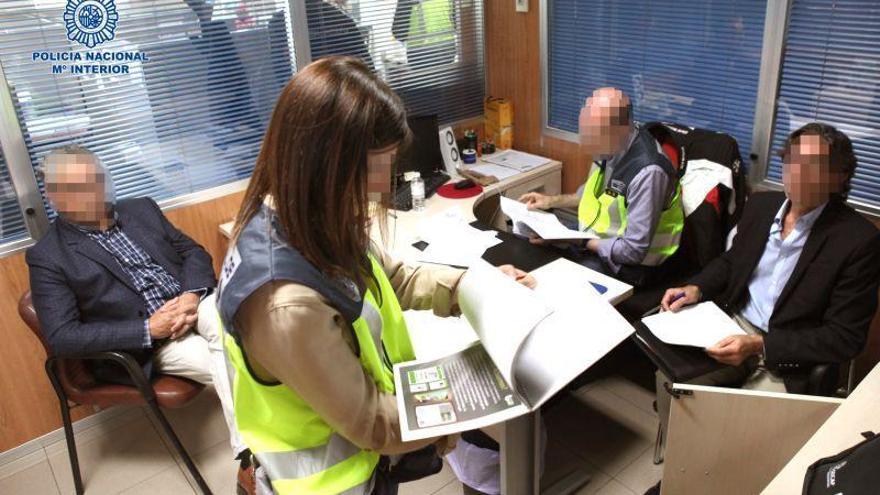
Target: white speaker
{"points": [[451, 157]]}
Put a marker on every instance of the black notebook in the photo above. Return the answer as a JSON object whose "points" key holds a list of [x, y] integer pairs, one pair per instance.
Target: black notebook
{"points": [[678, 362]]}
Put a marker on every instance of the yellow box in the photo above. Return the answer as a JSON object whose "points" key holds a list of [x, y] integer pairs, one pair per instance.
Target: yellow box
{"points": [[501, 136], [499, 112]]}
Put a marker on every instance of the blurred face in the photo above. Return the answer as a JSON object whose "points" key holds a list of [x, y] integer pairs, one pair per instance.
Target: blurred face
{"points": [[379, 166], [807, 175], [603, 122], [78, 188]]}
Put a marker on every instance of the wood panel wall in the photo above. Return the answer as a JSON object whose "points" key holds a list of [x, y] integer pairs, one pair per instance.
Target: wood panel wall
{"points": [[513, 71], [28, 406]]}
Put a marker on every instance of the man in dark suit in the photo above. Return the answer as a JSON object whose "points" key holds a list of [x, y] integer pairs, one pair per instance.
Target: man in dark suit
{"points": [[801, 276], [119, 276]]}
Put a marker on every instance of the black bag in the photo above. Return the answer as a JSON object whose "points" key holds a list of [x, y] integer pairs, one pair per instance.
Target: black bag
{"points": [[410, 467], [855, 471]]}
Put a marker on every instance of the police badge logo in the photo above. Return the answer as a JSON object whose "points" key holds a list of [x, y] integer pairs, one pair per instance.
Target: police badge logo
{"points": [[90, 22]]}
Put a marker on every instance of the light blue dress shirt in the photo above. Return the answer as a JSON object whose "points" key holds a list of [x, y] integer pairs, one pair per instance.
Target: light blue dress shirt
{"points": [[776, 265]]}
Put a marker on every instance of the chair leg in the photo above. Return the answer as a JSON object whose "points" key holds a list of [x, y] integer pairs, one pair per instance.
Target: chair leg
{"points": [[68, 426], [169, 433], [658, 446]]}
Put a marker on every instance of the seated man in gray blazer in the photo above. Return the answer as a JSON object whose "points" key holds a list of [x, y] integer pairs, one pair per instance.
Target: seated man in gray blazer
{"points": [[118, 276]]}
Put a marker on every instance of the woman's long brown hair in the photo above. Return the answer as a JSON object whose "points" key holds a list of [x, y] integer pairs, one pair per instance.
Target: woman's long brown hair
{"points": [[313, 162]]}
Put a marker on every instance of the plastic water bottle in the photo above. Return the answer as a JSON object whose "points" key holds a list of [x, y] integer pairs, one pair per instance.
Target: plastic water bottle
{"points": [[417, 189]]}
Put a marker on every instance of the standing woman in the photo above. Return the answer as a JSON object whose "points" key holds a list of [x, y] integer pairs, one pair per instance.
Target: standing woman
{"points": [[312, 309]]}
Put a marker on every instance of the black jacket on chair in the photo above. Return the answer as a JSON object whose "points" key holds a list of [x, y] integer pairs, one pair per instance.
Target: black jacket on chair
{"points": [[825, 309], [84, 300]]}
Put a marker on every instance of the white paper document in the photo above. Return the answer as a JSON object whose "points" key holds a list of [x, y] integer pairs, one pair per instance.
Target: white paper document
{"points": [[702, 325], [516, 159], [531, 344], [500, 172], [558, 275], [542, 223], [451, 241]]}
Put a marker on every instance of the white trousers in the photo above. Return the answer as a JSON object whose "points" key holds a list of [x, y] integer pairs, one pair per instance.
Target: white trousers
{"points": [[198, 355]]}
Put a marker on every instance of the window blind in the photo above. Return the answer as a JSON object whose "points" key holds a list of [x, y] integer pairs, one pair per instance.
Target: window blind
{"points": [[692, 62], [175, 103], [429, 51], [12, 226], [831, 74]]}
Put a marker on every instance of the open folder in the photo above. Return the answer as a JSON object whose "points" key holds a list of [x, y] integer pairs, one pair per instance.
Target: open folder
{"points": [[531, 344], [675, 342], [701, 325]]}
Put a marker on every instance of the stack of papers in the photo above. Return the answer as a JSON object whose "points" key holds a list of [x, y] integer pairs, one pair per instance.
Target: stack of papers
{"points": [[451, 241], [544, 224], [702, 325], [516, 160]]}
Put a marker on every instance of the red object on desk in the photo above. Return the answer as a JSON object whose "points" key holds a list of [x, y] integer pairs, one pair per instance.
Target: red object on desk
{"points": [[449, 191]]}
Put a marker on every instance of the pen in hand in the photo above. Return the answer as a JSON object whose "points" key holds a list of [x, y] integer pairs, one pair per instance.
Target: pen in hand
{"points": [[674, 298]]}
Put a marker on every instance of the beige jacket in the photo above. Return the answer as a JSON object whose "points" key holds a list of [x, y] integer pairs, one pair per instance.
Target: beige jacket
{"points": [[291, 334]]}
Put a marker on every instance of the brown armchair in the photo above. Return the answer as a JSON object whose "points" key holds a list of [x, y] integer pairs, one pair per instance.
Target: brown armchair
{"points": [[73, 382]]}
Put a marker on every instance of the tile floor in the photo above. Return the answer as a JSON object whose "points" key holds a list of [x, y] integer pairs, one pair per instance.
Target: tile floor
{"points": [[606, 429]]}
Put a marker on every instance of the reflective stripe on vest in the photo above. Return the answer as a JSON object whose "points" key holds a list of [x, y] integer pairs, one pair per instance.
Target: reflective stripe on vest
{"points": [[605, 215], [301, 452]]}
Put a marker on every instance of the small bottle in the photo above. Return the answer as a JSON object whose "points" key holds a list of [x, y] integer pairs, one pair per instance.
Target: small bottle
{"points": [[417, 189]]}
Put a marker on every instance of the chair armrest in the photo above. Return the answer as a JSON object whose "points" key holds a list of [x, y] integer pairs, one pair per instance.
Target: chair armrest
{"points": [[822, 379], [124, 359]]}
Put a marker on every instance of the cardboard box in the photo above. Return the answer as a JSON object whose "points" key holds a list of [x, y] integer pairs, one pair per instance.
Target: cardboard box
{"points": [[498, 112], [501, 136]]}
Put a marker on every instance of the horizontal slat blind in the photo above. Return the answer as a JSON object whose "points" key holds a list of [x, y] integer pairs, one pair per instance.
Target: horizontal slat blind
{"points": [[429, 51], [188, 118], [831, 74], [692, 62], [12, 226]]}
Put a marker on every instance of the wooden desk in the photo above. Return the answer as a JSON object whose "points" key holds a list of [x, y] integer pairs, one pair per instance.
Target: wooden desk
{"points": [[859, 412]]}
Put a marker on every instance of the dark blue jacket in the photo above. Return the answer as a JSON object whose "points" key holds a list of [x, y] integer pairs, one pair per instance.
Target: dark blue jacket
{"points": [[85, 301]]}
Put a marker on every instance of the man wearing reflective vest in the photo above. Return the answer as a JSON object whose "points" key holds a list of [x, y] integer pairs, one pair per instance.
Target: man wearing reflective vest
{"points": [[631, 201], [427, 27]]}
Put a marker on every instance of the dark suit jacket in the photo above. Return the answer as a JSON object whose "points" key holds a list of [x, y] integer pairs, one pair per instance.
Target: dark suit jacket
{"points": [[825, 309], [86, 302]]}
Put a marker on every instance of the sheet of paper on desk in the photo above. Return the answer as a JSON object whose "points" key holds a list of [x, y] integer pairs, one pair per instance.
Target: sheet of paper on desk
{"points": [[516, 159], [559, 275], [546, 225], [701, 325], [452, 253], [451, 241], [500, 172]]}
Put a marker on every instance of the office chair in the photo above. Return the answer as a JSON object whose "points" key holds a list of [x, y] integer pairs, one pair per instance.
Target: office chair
{"points": [[73, 382]]}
